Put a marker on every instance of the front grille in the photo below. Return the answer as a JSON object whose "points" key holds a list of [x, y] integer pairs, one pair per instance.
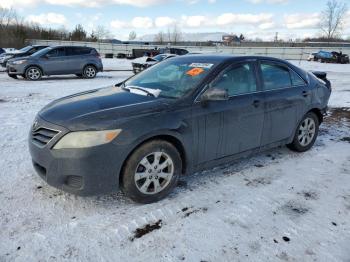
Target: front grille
{"points": [[42, 136]]}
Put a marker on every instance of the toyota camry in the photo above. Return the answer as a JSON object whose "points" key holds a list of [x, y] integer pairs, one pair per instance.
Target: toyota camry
{"points": [[180, 116]]}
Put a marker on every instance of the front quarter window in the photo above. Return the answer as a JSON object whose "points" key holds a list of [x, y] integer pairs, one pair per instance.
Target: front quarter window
{"points": [[173, 78]]}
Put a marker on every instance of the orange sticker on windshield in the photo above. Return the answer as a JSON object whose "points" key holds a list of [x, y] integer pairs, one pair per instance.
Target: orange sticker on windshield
{"points": [[195, 71]]}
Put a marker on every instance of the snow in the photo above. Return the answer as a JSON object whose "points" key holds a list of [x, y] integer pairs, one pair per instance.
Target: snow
{"points": [[277, 205]]}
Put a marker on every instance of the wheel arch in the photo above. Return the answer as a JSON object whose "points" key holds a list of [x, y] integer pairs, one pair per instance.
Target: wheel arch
{"points": [[318, 113], [34, 65], [89, 64], [172, 139]]}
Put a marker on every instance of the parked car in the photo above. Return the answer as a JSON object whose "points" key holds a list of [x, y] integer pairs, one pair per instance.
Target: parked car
{"points": [[2, 50], [60, 60], [174, 51], [180, 116], [139, 66], [329, 57], [25, 51]]}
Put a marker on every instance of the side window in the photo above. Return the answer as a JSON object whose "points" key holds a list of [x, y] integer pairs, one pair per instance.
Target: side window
{"points": [[237, 80], [58, 52], [84, 51], [296, 79], [275, 76], [32, 51], [71, 51]]}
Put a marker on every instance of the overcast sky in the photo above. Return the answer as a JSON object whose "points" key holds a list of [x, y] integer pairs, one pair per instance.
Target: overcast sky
{"points": [[254, 18]]}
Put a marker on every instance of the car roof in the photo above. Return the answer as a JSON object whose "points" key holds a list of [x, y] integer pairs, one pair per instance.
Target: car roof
{"points": [[222, 58], [75, 46]]}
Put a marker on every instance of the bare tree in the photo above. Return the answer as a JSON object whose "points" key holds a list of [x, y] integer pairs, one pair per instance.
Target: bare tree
{"points": [[160, 37], [332, 19], [7, 17], [101, 32], [176, 34], [132, 35]]}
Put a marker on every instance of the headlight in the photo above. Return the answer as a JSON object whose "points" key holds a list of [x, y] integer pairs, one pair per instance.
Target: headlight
{"points": [[19, 62], [83, 139]]}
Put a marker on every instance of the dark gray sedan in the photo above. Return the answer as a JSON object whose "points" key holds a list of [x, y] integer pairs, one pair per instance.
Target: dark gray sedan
{"points": [[180, 116]]}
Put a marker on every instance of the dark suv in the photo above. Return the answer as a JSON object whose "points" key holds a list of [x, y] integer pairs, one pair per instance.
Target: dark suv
{"points": [[25, 51], [60, 60]]}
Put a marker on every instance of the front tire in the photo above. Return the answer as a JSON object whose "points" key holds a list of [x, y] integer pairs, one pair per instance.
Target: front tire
{"points": [[13, 76], [89, 72], [151, 172], [33, 73], [306, 133]]}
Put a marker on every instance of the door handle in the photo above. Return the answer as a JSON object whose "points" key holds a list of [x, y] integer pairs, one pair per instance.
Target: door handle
{"points": [[256, 103], [306, 93]]}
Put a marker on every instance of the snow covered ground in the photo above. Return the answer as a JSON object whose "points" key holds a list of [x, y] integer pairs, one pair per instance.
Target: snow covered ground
{"points": [[275, 206]]}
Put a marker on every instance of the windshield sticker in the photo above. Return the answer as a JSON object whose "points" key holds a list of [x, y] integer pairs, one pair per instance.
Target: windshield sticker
{"points": [[201, 65], [195, 71]]}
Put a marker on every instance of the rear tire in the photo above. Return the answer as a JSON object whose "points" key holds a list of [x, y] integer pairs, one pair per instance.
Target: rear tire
{"points": [[89, 72], [306, 133], [151, 172], [33, 73]]}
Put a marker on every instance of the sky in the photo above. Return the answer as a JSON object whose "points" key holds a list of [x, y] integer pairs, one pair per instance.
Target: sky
{"points": [[292, 19]]}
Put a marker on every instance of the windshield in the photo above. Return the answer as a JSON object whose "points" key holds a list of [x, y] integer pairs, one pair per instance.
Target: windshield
{"points": [[25, 49], [171, 78], [159, 57], [42, 51]]}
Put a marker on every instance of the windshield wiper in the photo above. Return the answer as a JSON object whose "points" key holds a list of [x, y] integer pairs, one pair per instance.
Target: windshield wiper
{"points": [[148, 93]]}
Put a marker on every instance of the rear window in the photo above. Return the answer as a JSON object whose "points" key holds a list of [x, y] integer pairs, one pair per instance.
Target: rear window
{"points": [[275, 76], [296, 79], [78, 51]]}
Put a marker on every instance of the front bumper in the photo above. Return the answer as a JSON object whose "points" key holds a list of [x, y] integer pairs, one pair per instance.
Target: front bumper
{"points": [[13, 69], [87, 171]]}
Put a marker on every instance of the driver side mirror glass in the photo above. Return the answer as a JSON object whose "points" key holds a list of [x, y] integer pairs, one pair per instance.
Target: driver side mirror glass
{"points": [[215, 94]]}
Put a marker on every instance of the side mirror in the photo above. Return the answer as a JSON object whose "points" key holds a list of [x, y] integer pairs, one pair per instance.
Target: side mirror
{"points": [[46, 56], [215, 94]]}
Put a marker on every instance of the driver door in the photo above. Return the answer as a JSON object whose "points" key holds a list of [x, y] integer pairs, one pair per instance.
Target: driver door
{"points": [[226, 128], [54, 61]]}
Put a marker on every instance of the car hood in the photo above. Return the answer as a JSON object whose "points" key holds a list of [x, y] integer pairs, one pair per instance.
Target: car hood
{"points": [[21, 58], [14, 53], [99, 109]]}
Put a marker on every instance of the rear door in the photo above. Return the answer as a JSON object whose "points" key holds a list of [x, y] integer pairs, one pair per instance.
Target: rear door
{"points": [[286, 99], [74, 58]]}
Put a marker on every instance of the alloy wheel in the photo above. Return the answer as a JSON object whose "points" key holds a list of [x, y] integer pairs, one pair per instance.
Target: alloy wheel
{"points": [[34, 73], [306, 131], [154, 173], [90, 72]]}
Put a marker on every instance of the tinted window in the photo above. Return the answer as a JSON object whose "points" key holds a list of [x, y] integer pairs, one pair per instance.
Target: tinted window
{"points": [[275, 76], [296, 79], [32, 51], [78, 50], [237, 80], [57, 52], [84, 50], [26, 49]]}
